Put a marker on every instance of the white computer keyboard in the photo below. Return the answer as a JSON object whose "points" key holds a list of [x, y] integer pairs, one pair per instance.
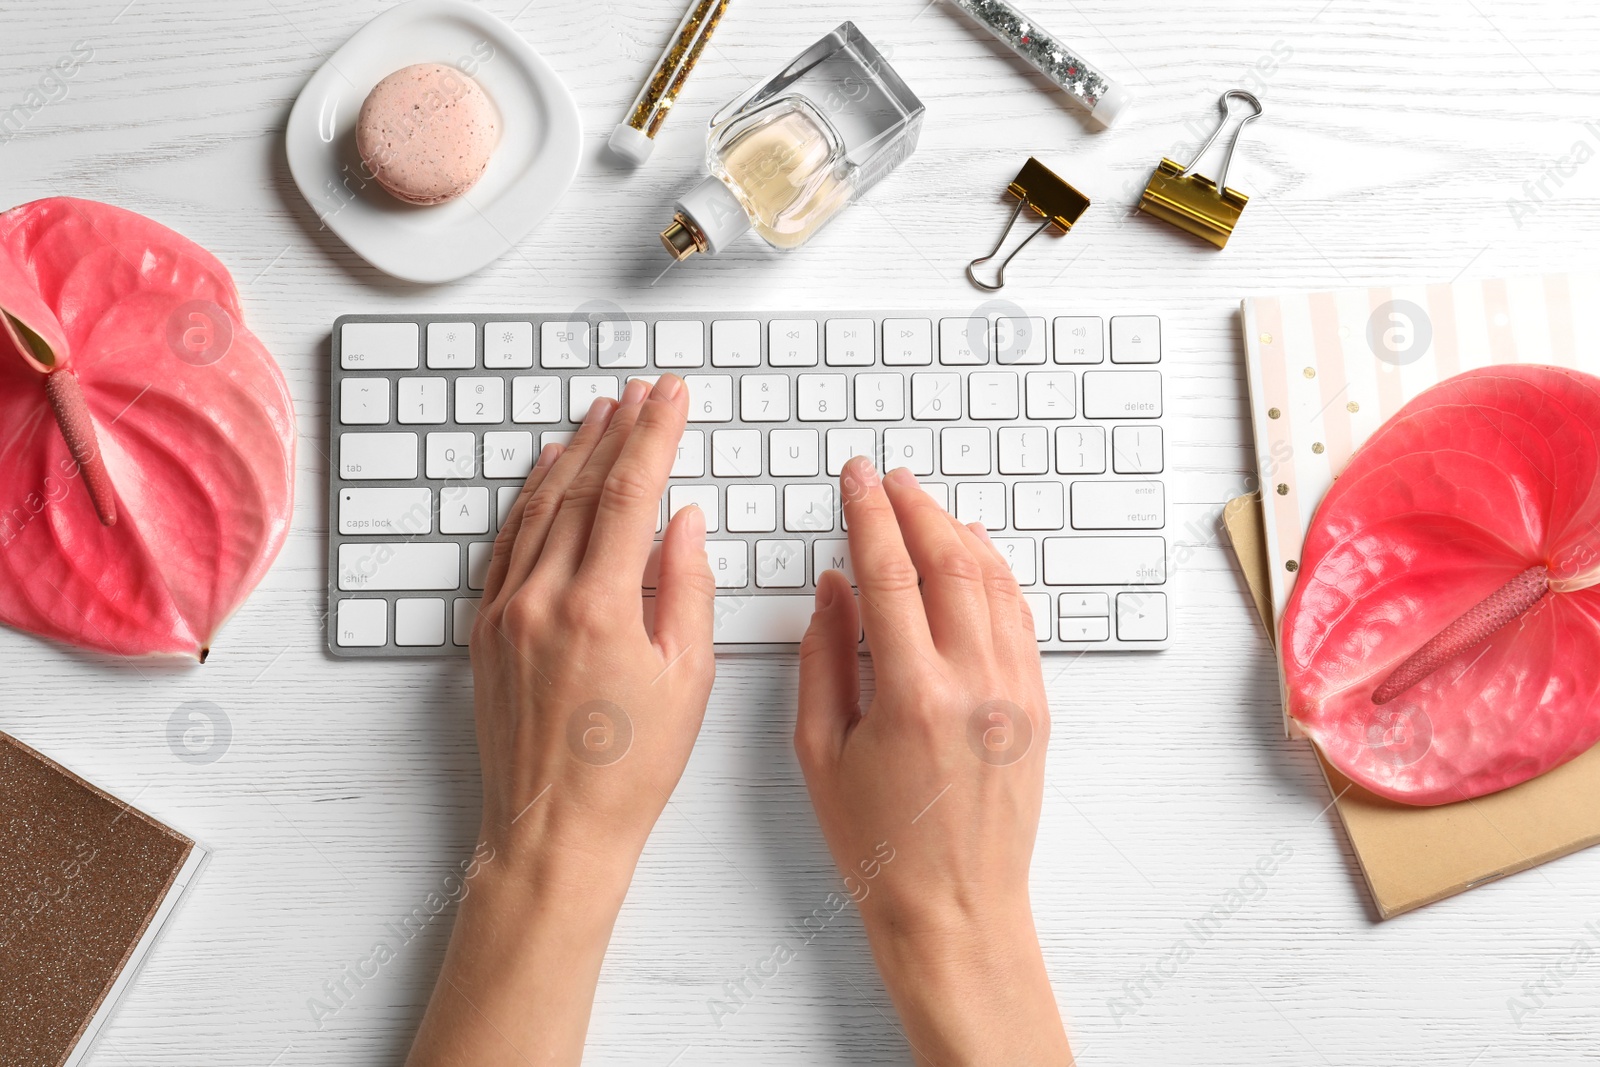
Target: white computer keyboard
{"points": [[1045, 429]]}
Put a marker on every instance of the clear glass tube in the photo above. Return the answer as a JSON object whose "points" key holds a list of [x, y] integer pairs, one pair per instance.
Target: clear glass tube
{"points": [[635, 136]]}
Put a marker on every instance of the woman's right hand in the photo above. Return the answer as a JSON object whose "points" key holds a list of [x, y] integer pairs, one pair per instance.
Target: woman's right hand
{"points": [[929, 798]]}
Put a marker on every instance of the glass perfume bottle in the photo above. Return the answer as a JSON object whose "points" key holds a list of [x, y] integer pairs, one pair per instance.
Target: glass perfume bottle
{"points": [[789, 154]]}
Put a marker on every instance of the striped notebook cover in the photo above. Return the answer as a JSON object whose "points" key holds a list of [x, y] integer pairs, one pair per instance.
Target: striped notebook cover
{"points": [[1327, 369]]}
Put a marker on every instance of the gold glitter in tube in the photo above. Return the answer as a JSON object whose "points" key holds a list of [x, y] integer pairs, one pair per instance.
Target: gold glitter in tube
{"points": [[661, 91]]}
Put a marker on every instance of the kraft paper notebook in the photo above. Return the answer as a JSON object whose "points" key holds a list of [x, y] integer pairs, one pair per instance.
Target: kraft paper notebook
{"points": [[1326, 370]]}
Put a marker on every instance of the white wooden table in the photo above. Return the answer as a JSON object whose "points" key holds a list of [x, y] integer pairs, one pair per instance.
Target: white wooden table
{"points": [[1396, 137]]}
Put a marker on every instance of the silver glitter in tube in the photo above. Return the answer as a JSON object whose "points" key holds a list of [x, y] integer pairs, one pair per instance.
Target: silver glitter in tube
{"points": [[1103, 98]]}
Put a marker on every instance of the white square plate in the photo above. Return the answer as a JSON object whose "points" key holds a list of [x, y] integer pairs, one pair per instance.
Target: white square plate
{"points": [[540, 142]]}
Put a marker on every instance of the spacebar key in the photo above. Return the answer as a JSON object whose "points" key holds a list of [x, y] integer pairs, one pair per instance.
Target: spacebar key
{"points": [[762, 620]]}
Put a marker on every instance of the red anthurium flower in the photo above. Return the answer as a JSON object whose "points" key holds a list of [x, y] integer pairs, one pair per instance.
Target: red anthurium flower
{"points": [[146, 436], [1443, 637]]}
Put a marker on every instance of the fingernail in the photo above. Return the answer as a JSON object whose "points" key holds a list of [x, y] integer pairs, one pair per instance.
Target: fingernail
{"points": [[600, 410], [981, 530], [865, 469], [694, 521], [667, 387], [636, 391], [548, 455], [825, 595], [903, 477]]}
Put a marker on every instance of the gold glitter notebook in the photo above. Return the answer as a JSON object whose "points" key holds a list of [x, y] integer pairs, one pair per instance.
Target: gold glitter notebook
{"points": [[86, 884]]}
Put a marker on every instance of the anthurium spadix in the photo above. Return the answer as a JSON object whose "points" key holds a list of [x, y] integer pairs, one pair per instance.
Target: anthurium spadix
{"points": [[146, 436], [1443, 637]]}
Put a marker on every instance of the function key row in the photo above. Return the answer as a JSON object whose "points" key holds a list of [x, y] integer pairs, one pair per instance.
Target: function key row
{"points": [[678, 343]]}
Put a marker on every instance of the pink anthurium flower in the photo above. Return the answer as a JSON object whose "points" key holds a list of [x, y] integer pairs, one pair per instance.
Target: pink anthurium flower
{"points": [[146, 436], [1443, 637]]}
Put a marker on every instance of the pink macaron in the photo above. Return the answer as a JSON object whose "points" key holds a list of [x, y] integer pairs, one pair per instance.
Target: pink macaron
{"points": [[426, 133]]}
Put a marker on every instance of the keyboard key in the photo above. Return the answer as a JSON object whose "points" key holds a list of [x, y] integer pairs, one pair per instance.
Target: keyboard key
{"points": [[702, 496], [849, 343], [1052, 394], [583, 390], [680, 343], [939, 491], [762, 620], [992, 395], [821, 398], [736, 454], [1079, 604], [362, 623], [564, 343], [1079, 339], [1142, 616], [736, 343], [391, 565], [404, 511], [507, 345], [808, 508], [480, 400], [880, 397], [764, 398], [364, 456], [621, 343], [844, 444], [691, 459], [505, 499], [466, 616], [452, 345], [479, 555], [792, 342], [710, 397], [364, 401], [752, 509], [832, 555], [793, 453], [1128, 394], [1135, 339], [378, 346], [909, 447], [1105, 560], [730, 563], [452, 455], [464, 509], [1022, 556], [1119, 505], [536, 398], [935, 396], [1039, 608], [780, 564], [963, 342], [555, 437], [418, 621], [507, 454], [983, 502], [964, 450], [1075, 629], [1039, 506], [421, 401], [907, 342], [1023, 449], [1080, 450], [1020, 341], [1136, 450]]}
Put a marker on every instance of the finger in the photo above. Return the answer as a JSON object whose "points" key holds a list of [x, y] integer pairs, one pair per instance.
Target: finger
{"points": [[539, 511], [1010, 621], [952, 577], [830, 680], [891, 604], [685, 592], [500, 559], [630, 498], [569, 535]]}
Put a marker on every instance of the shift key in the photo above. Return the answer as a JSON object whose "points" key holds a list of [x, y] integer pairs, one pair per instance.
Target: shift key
{"points": [[1105, 560], [386, 565]]}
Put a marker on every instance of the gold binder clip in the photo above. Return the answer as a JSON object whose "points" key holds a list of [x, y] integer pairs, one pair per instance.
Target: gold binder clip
{"points": [[1194, 203], [1042, 191]]}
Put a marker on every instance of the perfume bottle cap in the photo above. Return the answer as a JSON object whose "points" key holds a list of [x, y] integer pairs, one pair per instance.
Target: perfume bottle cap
{"points": [[709, 217], [629, 144]]}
